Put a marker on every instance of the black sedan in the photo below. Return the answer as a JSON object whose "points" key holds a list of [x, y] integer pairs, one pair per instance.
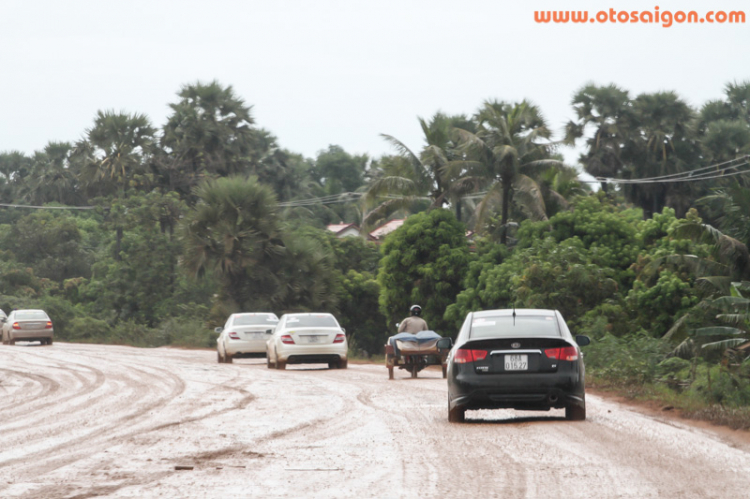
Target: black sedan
{"points": [[521, 359]]}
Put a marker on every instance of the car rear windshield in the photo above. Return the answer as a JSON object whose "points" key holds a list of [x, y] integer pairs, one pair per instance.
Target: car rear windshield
{"points": [[31, 316], [311, 321], [254, 320], [526, 325]]}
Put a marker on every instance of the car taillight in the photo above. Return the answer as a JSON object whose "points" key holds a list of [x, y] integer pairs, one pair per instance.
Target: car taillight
{"points": [[339, 338], [564, 353], [234, 336], [464, 356], [16, 326], [49, 325], [285, 338]]}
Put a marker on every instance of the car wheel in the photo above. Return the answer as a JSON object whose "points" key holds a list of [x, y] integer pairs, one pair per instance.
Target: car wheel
{"points": [[269, 364], [445, 371], [218, 357], [11, 341], [333, 365], [343, 364], [576, 412], [457, 414], [227, 359], [280, 365], [414, 371]]}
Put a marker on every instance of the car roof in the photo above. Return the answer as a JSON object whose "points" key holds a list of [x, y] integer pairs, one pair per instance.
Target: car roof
{"points": [[253, 313], [307, 314], [30, 310], [519, 312]]}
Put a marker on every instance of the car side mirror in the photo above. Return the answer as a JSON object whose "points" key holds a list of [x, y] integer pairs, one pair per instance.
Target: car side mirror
{"points": [[445, 343], [343, 330], [218, 329], [582, 340]]}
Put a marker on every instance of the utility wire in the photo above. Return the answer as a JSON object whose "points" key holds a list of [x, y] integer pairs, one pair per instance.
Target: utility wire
{"points": [[690, 173], [47, 207], [684, 178]]}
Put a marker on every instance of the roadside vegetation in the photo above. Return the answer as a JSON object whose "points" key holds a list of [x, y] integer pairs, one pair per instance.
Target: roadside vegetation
{"points": [[179, 226]]}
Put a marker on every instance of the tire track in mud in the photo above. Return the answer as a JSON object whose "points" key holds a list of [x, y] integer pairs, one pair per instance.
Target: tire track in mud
{"points": [[98, 490], [362, 434], [86, 442], [46, 384]]}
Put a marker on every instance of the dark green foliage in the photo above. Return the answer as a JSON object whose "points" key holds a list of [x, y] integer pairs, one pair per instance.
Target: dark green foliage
{"points": [[620, 361], [359, 313], [50, 243], [424, 262]]}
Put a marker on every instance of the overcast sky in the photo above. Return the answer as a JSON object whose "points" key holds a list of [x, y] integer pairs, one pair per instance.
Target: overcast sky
{"points": [[320, 72]]}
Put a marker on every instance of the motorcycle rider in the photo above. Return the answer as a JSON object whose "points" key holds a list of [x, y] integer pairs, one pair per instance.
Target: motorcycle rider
{"points": [[414, 323]]}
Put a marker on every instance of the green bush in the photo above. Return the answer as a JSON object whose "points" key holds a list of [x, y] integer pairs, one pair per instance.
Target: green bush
{"points": [[86, 330]]}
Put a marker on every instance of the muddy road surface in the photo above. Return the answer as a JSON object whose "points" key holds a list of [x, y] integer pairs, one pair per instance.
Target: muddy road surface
{"points": [[80, 421]]}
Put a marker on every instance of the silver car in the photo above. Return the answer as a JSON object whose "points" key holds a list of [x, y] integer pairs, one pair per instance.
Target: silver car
{"points": [[27, 325]]}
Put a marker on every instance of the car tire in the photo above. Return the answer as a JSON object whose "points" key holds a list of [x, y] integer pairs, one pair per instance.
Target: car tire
{"points": [[343, 364], [280, 365], [228, 359], [456, 415], [11, 341], [49, 341], [333, 365], [269, 364], [576, 412], [218, 358]]}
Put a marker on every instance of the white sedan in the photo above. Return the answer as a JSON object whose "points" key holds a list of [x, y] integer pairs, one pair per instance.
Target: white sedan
{"points": [[307, 339], [244, 335]]}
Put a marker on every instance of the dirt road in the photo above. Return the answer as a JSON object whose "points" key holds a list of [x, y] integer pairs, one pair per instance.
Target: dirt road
{"points": [[80, 421]]}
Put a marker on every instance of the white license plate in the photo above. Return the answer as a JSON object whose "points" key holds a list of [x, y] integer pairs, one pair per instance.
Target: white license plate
{"points": [[516, 362], [256, 336], [313, 339]]}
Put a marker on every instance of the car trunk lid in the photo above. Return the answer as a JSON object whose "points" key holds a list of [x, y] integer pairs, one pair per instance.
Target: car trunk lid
{"points": [[516, 355]]}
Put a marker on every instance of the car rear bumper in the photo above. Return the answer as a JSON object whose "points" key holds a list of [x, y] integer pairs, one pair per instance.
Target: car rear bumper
{"points": [[251, 348], [31, 335], [528, 391], [313, 354]]}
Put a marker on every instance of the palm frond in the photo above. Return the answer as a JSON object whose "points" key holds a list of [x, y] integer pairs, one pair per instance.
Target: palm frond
{"points": [[529, 196], [720, 346], [718, 331]]}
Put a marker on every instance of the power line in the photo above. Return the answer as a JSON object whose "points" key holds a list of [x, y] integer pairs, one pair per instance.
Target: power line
{"points": [[684, 178], [47, 207]]}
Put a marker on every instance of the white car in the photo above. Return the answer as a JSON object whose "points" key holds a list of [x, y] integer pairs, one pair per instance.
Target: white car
{"points": [[244, 335], [313, 338]]}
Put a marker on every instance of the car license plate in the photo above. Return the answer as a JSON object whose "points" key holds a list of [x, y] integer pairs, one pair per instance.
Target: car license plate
{"points": [[313, 339], [516, 362]]}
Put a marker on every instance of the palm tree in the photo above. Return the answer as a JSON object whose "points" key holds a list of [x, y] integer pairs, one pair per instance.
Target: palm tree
{"points": [[509, 149], [234, 232], [210, 133], [406, 181], [665, 145], [51, 177], [112, 157], [609, 110]]}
